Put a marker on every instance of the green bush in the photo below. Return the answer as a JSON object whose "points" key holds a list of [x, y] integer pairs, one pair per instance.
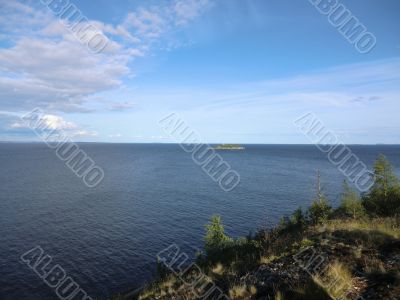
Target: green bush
{"points": [[319, 211], [244, 253], [296, 222], [383, 206]]}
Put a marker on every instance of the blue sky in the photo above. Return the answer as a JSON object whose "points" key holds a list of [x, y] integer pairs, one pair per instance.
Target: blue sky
{"points": [[235, 70]]}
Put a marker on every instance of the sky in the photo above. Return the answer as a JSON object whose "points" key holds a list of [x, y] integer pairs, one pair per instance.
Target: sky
{"points": [[236, 71]]}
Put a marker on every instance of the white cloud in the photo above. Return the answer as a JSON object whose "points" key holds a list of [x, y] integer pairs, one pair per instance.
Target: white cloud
{"points": [[83, 133], [47, 66], [55, 74], [48, 122], [145, 23], [51, 122], [188, 10], [122, 106], [155, 24], [332, 87]]}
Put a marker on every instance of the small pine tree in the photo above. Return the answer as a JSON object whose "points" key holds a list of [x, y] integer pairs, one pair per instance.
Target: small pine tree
{"points": [[351, 202], [385, 179], [320, 209], [215, 238], [298, 218], [284, 223]]}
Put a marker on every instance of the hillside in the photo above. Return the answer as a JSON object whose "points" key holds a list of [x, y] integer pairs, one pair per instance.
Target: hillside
{"points": [[351, 252]]}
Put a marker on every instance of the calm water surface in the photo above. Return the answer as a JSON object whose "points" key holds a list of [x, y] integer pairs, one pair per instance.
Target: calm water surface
{"points": [[107, 238]]}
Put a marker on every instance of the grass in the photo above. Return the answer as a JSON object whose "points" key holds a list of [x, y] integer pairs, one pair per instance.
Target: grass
{"points": [[165, 287], [218, 269], [337, 280], [308, 291], [387, 226], [279, 296], [242, 292], [264, 260], [355, 245]]}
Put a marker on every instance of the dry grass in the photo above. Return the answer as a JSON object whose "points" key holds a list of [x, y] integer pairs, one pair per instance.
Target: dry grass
{"points": [[387, 226], [374, 265], [336, 280], [279, 296], [237, 291], [267, 259], [163, 288], [253, 290], [242, 291], [218, 269]]}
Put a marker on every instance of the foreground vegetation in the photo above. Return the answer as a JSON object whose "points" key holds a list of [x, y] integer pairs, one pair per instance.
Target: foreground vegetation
{"points": [[357, 244]]}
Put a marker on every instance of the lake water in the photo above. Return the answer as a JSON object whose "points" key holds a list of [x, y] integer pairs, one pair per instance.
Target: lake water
{"points": [[106, 238]]}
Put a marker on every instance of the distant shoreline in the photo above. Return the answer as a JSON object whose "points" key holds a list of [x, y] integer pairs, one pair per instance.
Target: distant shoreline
{"points": [[160, 143], [229, 147]]}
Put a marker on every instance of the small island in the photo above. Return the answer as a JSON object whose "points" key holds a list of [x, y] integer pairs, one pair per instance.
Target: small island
{"points": [[229, 147]]}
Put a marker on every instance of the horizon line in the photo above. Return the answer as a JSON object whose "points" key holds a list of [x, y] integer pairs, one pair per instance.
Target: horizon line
{"points": [[210, 143]]}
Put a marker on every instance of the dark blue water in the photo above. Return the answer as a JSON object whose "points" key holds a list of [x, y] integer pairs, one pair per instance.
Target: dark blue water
{"points": [[107, 238]]}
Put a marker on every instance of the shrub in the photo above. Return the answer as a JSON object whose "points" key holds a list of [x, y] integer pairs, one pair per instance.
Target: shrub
{"points": [[319, 211], [296, 222], [384, 206]]}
